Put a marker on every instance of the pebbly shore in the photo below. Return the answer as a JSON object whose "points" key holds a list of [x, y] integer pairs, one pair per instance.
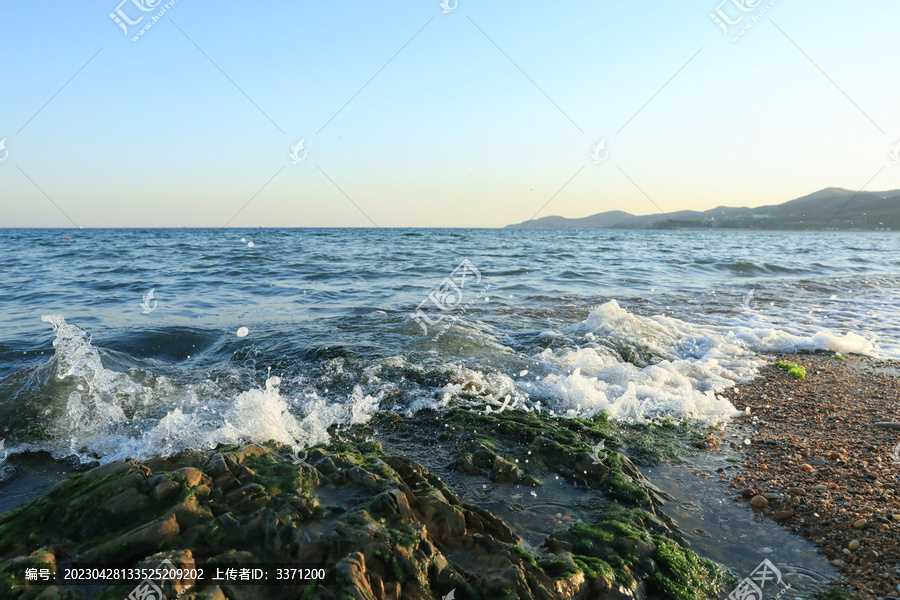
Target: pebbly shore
{"points": [[821, 456]]}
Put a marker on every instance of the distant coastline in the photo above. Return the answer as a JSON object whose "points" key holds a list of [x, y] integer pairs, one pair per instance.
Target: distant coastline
{"points": [[831, 209]]}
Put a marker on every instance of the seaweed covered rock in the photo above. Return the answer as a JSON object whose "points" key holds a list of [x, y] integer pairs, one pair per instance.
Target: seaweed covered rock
{"points": [[381, 526]]}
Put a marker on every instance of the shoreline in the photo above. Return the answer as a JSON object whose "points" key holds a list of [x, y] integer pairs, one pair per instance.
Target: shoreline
{"points": [[817, 465]]}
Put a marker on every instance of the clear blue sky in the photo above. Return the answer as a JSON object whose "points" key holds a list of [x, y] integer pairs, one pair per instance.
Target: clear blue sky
{"points": [[450, 133]]}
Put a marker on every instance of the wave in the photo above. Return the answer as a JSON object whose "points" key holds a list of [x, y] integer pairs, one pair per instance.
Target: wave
{"points": [[636, 368]]}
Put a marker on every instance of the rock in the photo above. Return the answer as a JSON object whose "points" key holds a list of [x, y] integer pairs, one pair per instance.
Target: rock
{"points": [[444, 522], [806, 467], [361, 477], [392, 504], [479, 519], [748, 492], [860, 523], [817, 462], [189, 475], [577, 482], [129, 502], [796, 491], [782, 514], [641, 548], [887, 425], [164, 489], [114, 468], [137, 542], [352, 569], [391, 528], [770, 496], [251, 450], [505, 472], [759, 501], [853, 545]]}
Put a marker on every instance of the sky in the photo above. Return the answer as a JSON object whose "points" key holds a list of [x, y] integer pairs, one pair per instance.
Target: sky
{"points": [[414, 114]]}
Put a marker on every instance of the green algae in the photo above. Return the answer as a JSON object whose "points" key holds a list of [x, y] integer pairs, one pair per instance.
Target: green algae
{"points": [[522, 553], [615, 545], [277, 476], [611, 548], [682, 574], [792, 369], [33, 524]]}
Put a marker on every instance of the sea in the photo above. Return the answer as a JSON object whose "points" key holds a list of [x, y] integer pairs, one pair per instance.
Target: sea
{"points": [[135, 343]]}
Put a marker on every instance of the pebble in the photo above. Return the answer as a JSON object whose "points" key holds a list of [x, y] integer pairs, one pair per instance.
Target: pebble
{"points": [[853, 545], [806, 467], [759, 501], [784, 513], [796, 491], [860, 523]]}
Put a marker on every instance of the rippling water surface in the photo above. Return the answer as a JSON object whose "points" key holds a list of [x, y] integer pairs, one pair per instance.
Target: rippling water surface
{"points": [[641, 324]]}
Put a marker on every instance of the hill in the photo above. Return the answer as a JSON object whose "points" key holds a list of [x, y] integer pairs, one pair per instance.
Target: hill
{"points": [[830, 209]]}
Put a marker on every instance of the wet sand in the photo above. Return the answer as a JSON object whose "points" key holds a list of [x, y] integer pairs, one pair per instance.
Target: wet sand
{"points": [[815, 462]]}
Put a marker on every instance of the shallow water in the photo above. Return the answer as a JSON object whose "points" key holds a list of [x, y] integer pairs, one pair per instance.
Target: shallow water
{"points": [[730, 533]]}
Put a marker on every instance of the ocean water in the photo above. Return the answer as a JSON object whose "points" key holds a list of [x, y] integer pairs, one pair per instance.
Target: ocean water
{"points": [[259, 334]]}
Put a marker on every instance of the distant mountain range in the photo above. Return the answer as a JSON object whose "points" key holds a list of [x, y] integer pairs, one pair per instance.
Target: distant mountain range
{"points": [[828, 209]]}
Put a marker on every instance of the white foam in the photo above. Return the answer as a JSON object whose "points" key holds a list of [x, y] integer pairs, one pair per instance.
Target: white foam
{"points": [[107, 415], [689, 364], [678, 370]]}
